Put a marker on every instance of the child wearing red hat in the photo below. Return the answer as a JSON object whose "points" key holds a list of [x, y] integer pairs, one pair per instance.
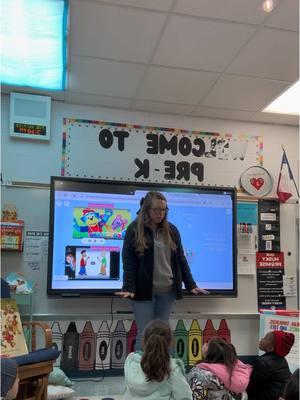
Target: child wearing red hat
{"points": [[271, 370]]}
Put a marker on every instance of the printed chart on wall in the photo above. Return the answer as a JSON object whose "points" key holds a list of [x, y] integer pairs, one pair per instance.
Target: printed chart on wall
{"points": [[287, 321], [246, 237], [104, 150]]}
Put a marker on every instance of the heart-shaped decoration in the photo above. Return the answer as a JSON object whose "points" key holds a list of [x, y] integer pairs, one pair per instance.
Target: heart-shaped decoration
{"points": [[257, 182]]}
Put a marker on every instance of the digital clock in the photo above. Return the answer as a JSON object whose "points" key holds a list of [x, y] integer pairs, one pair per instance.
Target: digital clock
{"points": [[30, 129]]}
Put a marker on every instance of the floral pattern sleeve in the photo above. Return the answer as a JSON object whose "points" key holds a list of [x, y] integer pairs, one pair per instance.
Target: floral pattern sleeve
{"points": [[206, 386]]}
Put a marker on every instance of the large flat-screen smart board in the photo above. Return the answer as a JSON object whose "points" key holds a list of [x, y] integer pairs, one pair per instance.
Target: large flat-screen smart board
{"points": [[88, 221]]}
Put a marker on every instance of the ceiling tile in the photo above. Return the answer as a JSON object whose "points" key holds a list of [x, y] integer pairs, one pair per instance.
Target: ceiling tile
{"points": [[271, 54], [160, 5], [118, 33], [275, 118], [285, 16], [162, 107], [212, 112], [89, 99], [200, 44], [176, 86], [243, 93], [110, 78], [246, 11]]}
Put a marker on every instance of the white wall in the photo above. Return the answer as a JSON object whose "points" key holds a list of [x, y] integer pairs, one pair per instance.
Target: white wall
{"points": [[35, 161]]}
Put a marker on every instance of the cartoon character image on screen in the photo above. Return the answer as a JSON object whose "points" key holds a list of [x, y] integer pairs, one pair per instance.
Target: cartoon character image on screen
{"points": [[83, 262], [94, 222], [70, 265], [102, 261], [119, 223]]}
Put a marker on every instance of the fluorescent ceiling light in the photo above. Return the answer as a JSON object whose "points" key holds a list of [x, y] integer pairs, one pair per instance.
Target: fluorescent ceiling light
{"points": [[287, 103], [33, 43]]}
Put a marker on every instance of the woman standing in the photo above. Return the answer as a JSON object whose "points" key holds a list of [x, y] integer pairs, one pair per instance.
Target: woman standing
{"points": [[154, 264]]}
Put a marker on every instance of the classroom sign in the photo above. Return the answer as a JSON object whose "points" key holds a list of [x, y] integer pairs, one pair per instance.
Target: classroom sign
{"points": [[116, 151]]}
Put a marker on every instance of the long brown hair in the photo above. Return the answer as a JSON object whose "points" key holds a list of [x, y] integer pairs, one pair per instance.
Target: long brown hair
{"points": [[143, 220], [155, 361], [221, 352]]}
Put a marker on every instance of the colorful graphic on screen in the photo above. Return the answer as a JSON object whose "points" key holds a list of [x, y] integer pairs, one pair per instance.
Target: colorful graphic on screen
{"points": [[105, 222]]}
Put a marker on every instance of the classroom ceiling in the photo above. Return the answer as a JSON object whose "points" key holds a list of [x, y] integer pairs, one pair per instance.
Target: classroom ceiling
{"points": [[205, 58]]}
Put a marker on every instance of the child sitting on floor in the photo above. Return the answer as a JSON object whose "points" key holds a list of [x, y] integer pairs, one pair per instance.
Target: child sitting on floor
{"points": [[154, 374], [271, 370], [220, 375]]}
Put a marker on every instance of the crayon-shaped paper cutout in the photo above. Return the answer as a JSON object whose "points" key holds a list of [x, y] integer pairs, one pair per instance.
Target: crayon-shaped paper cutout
{"points": [[181, 342], [223, 331], [69, 357], [57, 338], [103, 346], [87, 348], [131, 338], [195, 343], [118, 346], [209, 331]]}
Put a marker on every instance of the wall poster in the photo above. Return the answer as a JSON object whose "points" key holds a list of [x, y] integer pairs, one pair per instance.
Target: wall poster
{"points": [[115, 151]]}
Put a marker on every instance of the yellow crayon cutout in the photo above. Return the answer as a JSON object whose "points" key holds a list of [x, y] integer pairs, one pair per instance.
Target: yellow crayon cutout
{"points": [[195, 343]]}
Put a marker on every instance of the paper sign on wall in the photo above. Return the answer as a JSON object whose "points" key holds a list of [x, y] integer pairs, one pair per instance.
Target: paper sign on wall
{"points": [[103, 150]]}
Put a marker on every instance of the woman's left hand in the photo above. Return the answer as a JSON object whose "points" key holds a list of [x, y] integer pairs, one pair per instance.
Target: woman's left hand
{"points": [[198, 290]]}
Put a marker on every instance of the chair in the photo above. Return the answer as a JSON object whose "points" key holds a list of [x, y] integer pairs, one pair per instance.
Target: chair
{"points": [[35, 367]]}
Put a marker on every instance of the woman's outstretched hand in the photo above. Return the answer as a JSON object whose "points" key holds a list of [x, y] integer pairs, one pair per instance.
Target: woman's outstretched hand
{"points": [[198, 290], [125, 294]]}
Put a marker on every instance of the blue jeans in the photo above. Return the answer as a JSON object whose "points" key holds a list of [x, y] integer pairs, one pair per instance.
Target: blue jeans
{"points": [[145, 311]]}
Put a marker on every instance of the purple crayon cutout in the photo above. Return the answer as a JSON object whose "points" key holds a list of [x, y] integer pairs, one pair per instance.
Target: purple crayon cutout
{"points": [[223, 331], [118, 346], [131, 338], [87, 347]]}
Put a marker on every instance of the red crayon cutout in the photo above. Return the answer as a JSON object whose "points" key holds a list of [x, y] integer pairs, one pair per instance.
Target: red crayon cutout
{"points": [[87, 347], [103, 347], [209, 331], [131, 338], [57, 337], [223, 331]]}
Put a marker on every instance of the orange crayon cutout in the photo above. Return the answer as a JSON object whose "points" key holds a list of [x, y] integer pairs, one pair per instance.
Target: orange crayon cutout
{"points": [[223, 331], [103, 346], [131, 338], [87, 347], [194, 343], [209, 331]]}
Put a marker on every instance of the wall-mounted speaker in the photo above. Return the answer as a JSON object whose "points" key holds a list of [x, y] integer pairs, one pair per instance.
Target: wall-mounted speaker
{"points": [[30, 116]]}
